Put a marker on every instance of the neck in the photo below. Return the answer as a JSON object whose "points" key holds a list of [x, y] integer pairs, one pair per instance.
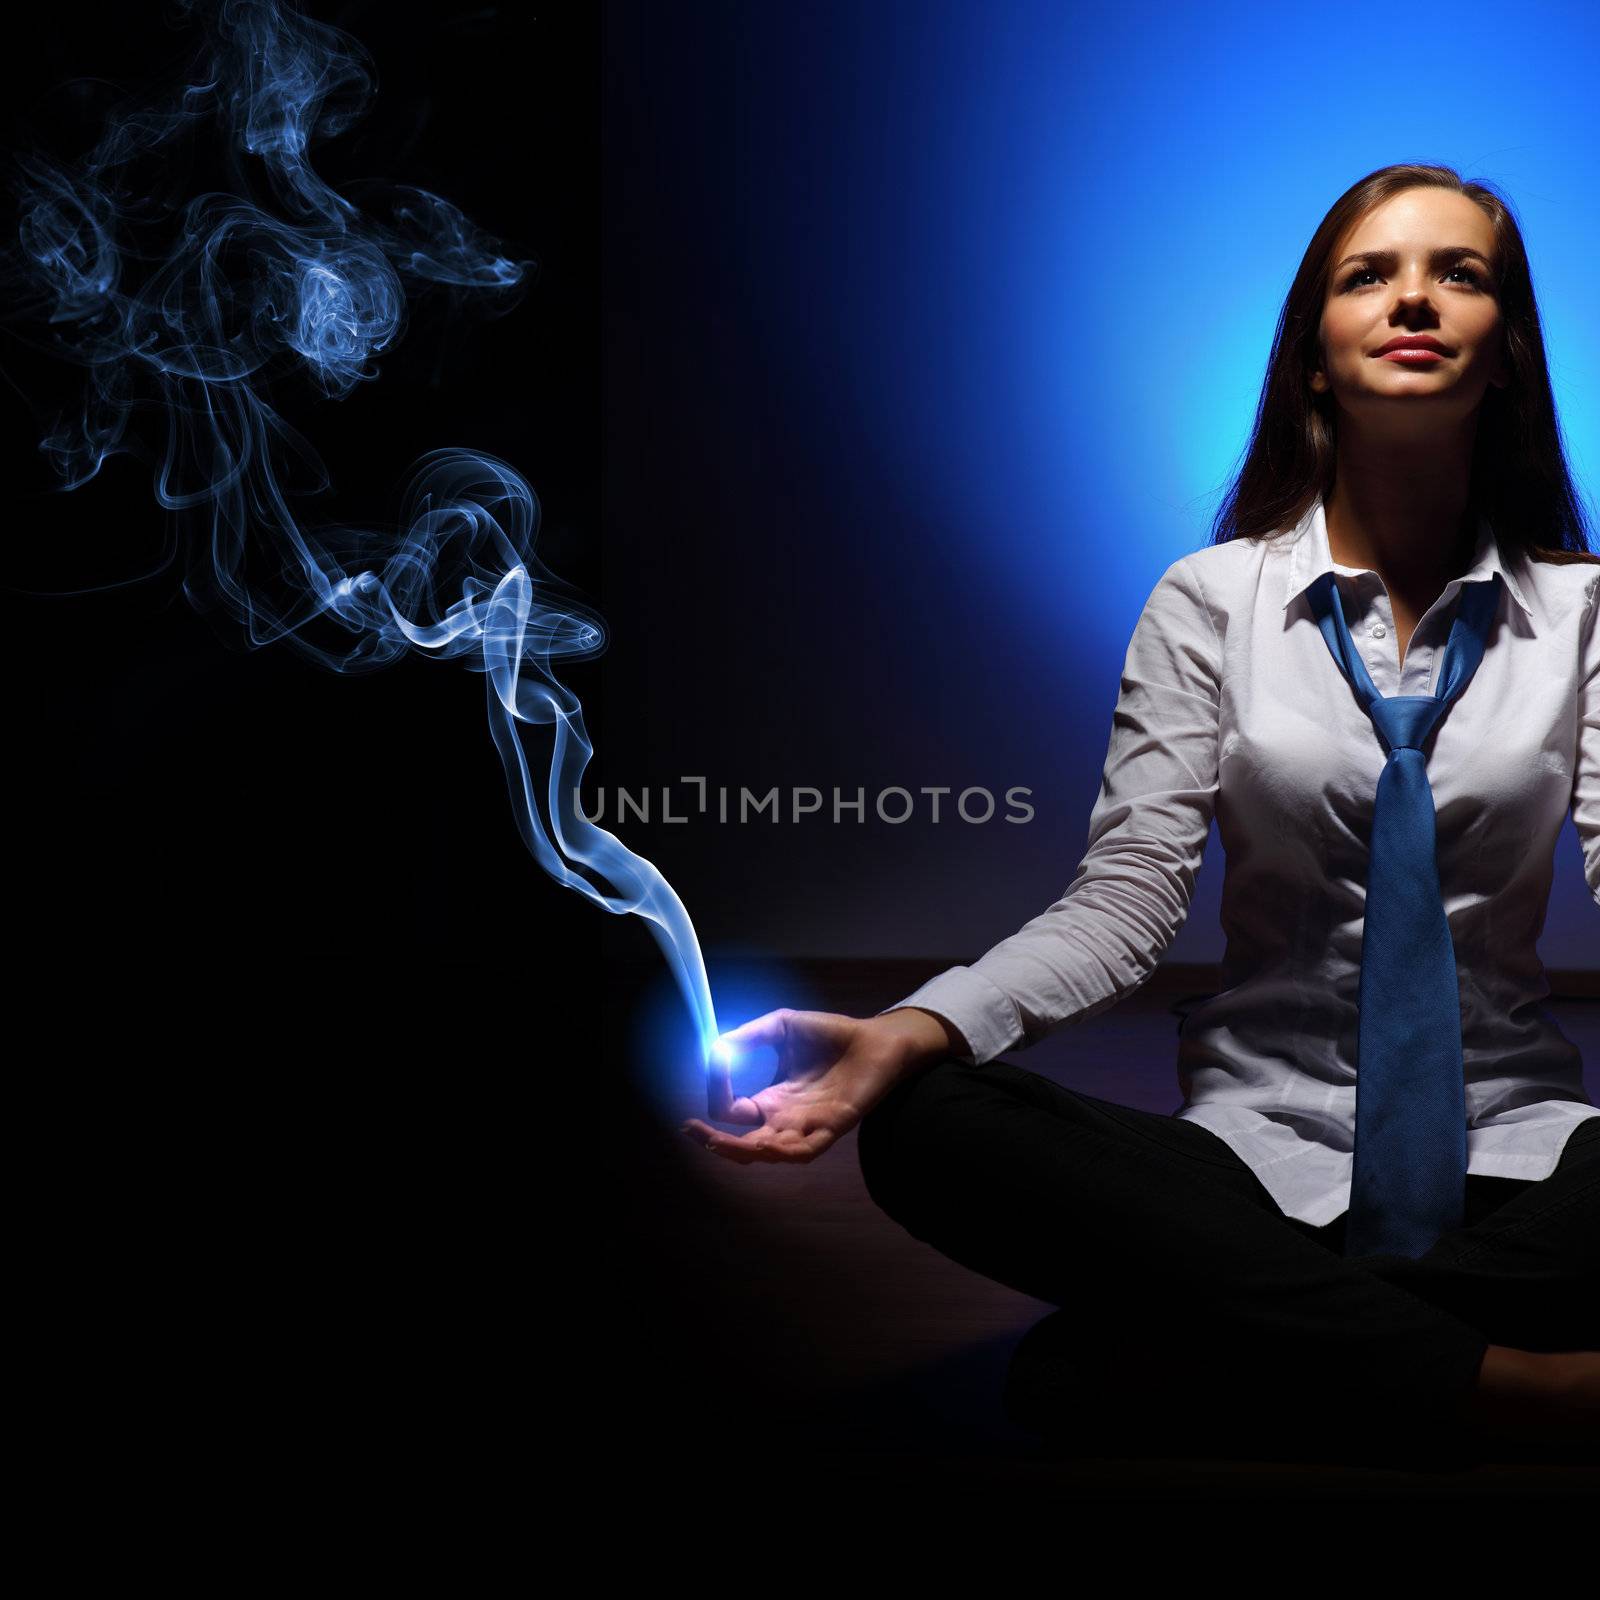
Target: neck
{"points": [[1402, 507]]}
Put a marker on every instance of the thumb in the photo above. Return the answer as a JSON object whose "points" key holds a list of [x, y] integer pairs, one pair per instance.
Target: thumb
{"points": [[737, 1044]]}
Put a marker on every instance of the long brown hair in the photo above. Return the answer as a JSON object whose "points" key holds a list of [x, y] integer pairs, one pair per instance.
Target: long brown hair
{"points": [[1519, 468]]}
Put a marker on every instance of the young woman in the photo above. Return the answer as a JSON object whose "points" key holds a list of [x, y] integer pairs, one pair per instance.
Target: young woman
{"points": [[1406, 470]]}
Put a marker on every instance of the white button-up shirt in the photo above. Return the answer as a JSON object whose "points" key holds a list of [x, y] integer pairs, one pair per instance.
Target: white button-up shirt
{"points": [[1231, 705]]}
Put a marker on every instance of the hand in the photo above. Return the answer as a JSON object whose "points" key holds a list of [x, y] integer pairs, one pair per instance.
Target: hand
{"points": [[832, 1070]]}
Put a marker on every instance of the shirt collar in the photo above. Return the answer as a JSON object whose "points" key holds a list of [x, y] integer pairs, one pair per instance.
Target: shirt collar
{"points": [[1310, 557]]}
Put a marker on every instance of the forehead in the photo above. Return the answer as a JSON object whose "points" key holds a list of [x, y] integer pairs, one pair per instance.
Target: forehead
{"points": [[1424, 217]]}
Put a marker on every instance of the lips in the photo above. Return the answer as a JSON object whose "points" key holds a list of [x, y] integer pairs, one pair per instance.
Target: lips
{"points": [[1415, 341]]}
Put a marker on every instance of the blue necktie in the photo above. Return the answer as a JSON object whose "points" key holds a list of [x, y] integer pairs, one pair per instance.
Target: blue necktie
{"points": [[1409, 1181]]}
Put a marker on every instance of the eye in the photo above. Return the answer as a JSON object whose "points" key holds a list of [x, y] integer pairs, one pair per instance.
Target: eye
{"points": [[1471, 274]]}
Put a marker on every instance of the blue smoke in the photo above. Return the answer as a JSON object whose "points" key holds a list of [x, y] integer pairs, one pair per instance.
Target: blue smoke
{"points": [[185, 311]]}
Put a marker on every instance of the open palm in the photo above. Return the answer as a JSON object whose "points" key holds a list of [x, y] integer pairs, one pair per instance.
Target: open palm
{"points": [[832, 1070]]}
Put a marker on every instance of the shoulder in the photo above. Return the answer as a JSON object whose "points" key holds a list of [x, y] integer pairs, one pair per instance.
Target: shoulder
{"points": [[1223, 577], [1562, 587], [1214, 565], [1560, 578], [1199, 591], [1218, 562], [1567, 577]]}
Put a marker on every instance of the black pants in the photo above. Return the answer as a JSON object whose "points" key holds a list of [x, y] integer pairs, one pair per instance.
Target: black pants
{"points": [[1191, 1307]]}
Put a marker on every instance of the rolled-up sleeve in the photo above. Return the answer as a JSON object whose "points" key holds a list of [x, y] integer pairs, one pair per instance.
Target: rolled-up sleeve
{"points": [[1586, 778], [1147, 834]]}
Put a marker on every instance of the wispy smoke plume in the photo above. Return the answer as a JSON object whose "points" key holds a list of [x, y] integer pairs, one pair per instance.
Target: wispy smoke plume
{"points": [[186, 309]]}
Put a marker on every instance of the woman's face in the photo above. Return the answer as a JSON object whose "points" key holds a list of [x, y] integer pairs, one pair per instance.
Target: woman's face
{"points": [[1416, 277]]}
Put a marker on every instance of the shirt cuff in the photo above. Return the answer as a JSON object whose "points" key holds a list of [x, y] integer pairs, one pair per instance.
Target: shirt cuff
{"points": [[983, 1014]]}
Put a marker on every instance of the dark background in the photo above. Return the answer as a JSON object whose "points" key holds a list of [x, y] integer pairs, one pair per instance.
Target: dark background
{"points": [[209, 828], [293, 1010]]}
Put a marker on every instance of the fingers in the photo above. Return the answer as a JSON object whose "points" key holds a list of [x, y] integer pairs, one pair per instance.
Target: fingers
{"points": [[762, 1032], [722, 1105], [769, 1145], [767, 1029]]}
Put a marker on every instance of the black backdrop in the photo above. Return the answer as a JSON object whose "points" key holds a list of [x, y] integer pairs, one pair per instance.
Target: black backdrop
{"points": [[241, 836], [293, 1010]]}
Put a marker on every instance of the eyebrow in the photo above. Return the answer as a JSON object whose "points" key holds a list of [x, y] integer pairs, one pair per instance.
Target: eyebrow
{"points": [[1451, 252]]}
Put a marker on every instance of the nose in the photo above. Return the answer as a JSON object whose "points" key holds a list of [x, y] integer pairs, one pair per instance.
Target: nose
{"points": [[1413, 300]]}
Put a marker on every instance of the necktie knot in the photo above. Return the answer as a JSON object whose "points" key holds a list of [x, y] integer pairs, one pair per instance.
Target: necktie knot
{"points": [[1404, 721]]}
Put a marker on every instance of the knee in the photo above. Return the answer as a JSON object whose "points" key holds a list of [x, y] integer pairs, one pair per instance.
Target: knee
{"points": [[900, 1129]]}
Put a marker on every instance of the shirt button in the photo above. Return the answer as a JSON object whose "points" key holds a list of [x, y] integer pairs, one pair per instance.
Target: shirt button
{"points": [[1378, 630]]}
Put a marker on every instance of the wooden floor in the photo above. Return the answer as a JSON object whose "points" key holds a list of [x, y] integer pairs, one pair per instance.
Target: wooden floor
{"points": [[773, 1315]]}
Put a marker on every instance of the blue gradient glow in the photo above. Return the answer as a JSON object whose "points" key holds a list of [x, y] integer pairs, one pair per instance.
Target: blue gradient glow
{"points": [[242, 292], [986, 292], [1053, 241]]}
